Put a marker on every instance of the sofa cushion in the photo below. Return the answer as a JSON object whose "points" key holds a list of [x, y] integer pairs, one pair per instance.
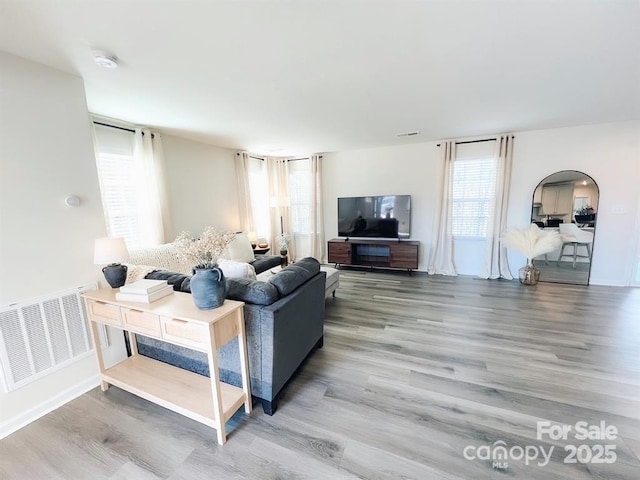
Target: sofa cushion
{"points": [[240, 249], [251, 291], [291, 277]]}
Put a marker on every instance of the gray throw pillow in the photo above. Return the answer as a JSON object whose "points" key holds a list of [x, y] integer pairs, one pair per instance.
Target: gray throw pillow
{"points": [[251, 291], [310, 264], [291, 277]]}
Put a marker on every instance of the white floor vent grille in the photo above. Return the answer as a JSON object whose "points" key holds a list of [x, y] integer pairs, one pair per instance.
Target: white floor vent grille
{"points": [[42, 335]]}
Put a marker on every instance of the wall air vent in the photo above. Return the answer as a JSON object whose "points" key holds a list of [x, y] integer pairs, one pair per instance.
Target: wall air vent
{"points": [[43, 334], [408, 134]]}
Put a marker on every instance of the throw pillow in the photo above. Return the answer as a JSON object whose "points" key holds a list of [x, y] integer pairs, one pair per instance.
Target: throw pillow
{"points": [[240, 249], [138, 272], [233, 269], [163, 257]]}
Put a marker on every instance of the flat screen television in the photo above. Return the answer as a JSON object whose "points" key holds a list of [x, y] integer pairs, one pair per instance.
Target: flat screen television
{"points": [[383, 216]]}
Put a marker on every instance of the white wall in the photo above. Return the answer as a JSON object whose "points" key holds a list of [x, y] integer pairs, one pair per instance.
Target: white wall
{"points": [[404, 170], [202, 185], [46, 154], [610, 153]]}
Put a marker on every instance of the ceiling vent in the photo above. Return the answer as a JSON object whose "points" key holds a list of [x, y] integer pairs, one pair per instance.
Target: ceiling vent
{"points": [[408, 134]]}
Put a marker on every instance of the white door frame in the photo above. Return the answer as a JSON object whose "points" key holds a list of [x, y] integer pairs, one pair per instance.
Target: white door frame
{"points": [[634, 277]]}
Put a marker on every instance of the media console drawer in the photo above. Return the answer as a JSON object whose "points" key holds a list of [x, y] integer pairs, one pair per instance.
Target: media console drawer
{"points": [[339, 252]]}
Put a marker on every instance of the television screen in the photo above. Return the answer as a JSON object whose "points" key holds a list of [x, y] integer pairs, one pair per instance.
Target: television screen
{"points": [[386, 216]]}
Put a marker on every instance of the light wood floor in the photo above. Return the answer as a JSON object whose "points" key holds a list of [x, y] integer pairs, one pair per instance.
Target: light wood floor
{"points": [[413, 370]]}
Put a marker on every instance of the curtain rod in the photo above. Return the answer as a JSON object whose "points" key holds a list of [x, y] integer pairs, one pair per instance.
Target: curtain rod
{"points": [[479, 141], [287, 159], [250, 156], [119, 128]]}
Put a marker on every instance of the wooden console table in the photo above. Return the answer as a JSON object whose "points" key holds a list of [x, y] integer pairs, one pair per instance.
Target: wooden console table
{"points": [[374, 253], [175, 319]]}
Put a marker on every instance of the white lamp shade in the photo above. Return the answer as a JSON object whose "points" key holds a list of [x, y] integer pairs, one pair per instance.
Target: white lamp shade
{"points": [[110, 250], [280, 201], [253, 237]]}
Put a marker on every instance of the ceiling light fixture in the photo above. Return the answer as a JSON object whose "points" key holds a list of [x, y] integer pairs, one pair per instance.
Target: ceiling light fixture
{"points": [[105, 60]]}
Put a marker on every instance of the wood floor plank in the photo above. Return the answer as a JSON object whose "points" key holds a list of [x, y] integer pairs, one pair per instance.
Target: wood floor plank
{"points": [[376, 464], [414, 369]]}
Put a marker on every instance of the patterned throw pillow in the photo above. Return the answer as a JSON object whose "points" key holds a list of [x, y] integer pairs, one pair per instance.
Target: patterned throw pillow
{"points": [[163, 257]]}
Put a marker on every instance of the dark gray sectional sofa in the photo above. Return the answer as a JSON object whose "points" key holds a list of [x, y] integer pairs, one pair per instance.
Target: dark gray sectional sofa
{"points": [[284, 320]]}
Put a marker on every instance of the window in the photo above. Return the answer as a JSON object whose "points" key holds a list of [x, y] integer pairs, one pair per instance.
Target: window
{"points": [[473, 190], [301, 199], [118, 183], [300, 191], [259, 188]]}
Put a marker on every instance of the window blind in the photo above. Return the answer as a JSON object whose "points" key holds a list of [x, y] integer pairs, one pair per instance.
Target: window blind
{"points": [[473, 189], [300, 191], [118, 184]]}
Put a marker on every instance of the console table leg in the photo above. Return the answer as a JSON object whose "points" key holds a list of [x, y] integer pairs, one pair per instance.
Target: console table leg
{"points": [[96, 344], [214, 374], [244, 360], [133, 345]]}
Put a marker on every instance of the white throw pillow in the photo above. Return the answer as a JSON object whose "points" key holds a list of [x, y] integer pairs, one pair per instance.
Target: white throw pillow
{"points": [[233, 269], [240, 249]]}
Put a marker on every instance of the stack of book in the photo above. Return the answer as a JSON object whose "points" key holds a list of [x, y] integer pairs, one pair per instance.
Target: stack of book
{"points": [[145, 291]]}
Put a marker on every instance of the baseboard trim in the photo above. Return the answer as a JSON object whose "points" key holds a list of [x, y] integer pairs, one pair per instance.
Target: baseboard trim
{"points": [[606, 283], [16, 423]]}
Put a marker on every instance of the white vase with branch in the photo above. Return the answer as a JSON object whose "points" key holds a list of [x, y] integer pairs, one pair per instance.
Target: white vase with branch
{"points": [[283, 242], [204, 250], [531, 241]]}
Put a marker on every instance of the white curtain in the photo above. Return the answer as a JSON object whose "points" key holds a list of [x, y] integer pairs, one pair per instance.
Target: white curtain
{"points": [[278, 175], [496, 264], [244, 192], [441, 258], [316, 235], [153, 203]]}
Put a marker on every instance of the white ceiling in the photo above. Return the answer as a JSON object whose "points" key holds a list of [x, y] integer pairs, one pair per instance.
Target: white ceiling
{"points": [[292, 77]]}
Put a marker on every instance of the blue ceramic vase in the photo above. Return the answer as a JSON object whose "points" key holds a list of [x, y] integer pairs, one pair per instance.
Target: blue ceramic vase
{"points": [[208, 287]]}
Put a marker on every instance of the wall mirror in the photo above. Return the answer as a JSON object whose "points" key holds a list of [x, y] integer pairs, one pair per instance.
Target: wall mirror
{"points": [[567, 202]]}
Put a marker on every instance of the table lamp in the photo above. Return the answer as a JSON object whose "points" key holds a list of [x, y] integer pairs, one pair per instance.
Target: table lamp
{"points": [[112, 251], [253, 238], [281, 202]]}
